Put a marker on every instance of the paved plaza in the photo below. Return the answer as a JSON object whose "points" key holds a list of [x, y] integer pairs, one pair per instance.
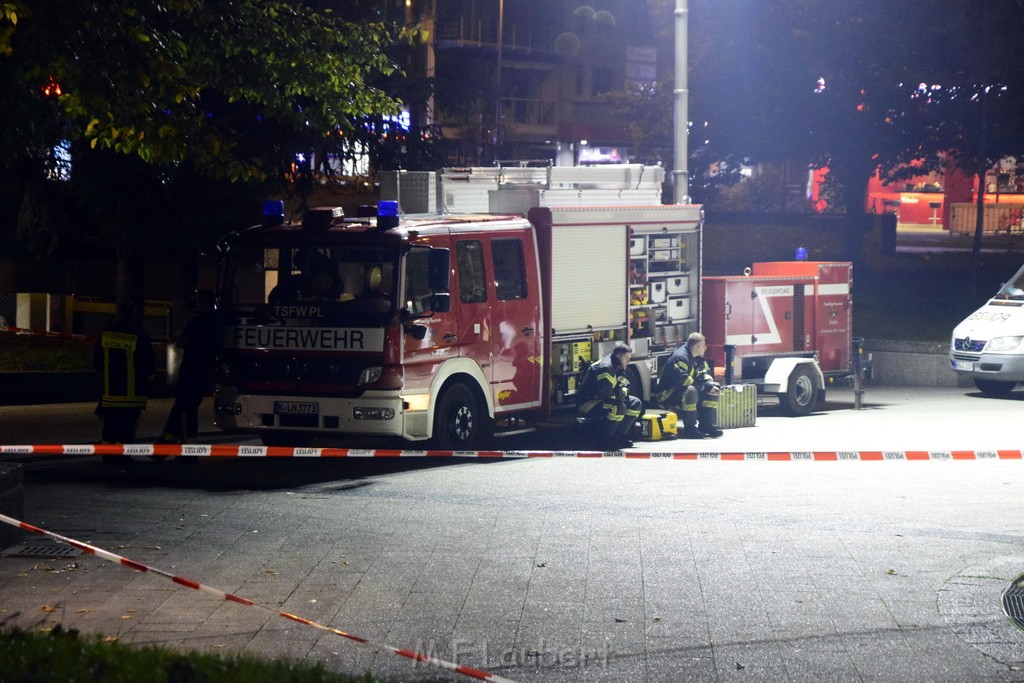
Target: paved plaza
{"points": [[567, 569]]}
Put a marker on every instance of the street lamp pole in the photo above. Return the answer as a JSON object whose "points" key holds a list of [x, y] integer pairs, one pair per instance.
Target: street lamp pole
{"points": [[680, 116], [496, 136]]}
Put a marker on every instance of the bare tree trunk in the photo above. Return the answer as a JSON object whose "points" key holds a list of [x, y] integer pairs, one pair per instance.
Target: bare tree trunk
{"points": [[131, 282]]}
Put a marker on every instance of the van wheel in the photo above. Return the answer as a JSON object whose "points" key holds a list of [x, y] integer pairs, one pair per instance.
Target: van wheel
{"points": [[993, 387], [802, 395], [459, 421], [293, 439]]}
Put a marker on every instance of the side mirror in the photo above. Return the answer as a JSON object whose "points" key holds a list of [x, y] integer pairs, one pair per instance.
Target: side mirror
{"points": [[440, 269], [196, 295]]}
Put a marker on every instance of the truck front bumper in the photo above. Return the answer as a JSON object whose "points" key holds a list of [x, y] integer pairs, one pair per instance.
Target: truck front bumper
{"points": [[374, 413]]}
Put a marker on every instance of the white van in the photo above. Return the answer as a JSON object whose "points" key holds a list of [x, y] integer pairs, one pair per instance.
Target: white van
{"points": [[988, 346]]}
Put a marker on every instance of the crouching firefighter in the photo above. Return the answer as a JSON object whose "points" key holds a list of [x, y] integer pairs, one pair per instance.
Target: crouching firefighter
{"points": [[687, 387], [605, 402]]}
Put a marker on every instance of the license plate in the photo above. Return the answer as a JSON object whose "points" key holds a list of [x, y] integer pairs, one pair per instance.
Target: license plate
{"points": [[296, 408], [965, 365]]}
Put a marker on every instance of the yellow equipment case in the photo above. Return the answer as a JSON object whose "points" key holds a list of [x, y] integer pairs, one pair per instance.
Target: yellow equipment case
{"points": [[658, 425], [737, 406]]}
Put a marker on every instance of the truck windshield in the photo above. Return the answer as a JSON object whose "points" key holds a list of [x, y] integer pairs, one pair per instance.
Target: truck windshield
{"points": [[1014, 289], [351, 279]]}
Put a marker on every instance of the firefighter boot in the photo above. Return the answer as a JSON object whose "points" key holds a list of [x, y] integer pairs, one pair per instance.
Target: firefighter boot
{"points": [[709, 422], [690, 430]]}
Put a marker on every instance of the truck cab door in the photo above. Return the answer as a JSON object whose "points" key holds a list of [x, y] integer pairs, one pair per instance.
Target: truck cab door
{"points": [[472, 300], [422, 355], [516, 322]]}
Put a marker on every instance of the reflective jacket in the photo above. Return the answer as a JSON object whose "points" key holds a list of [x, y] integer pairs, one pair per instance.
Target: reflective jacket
{"points": [[682, 371], [124, 356], [603, 383]]}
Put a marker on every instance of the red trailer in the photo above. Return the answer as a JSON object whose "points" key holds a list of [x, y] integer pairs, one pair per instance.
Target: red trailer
{"points": [[786, 326]]}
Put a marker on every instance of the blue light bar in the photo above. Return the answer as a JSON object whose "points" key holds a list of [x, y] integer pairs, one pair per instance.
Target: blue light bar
{"points": [[273, 212], [387, 214]]}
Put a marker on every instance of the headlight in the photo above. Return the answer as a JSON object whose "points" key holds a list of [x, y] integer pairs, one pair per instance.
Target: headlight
{"points": [[1003, 344], [369, 375]]}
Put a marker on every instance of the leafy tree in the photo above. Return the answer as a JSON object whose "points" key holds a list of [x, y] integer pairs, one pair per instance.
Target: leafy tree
{"points": [[154, 95]]}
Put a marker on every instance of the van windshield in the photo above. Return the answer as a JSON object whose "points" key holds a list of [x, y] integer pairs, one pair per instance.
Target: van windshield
{"points": [[1014, 289]]}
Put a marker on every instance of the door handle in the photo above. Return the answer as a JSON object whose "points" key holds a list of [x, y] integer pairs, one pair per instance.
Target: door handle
{"points": [[528, 331], [450, 337]]}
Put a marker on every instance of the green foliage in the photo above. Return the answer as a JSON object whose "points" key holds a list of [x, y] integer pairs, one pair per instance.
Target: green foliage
{"points": [[233, 86], [66, 656], [178, 114]]}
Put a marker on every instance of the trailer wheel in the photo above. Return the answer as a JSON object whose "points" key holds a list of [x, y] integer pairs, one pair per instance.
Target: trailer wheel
{"points": [[802, 395], [994, 387], [459, 422], [293, 439]]}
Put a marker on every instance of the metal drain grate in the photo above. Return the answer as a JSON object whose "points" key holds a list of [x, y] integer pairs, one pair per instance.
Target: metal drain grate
{"points": [[1013, 602], [45, 550]]}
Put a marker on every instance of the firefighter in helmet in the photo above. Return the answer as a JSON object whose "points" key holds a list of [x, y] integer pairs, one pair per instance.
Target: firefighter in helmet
{"points": [[687, 386], [604, 399]]}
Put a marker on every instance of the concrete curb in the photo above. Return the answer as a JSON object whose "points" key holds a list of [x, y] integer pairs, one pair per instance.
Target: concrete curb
{"points": [[12, 501]]}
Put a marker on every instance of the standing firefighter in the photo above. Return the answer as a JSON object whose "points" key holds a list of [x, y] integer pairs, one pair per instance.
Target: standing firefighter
{"points": [[124, 357], [199, 343], [605, 402], [687, 386]]}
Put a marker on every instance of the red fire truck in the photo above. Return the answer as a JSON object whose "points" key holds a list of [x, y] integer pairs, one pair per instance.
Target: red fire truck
{"points": [[453, 326]]}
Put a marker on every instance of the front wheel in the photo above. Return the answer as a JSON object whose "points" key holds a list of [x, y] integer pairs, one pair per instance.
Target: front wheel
{"points": [[459, 421], [802, 395], [994, 387]]}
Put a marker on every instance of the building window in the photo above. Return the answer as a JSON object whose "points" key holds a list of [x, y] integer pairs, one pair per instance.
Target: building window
{"points": [[604, 80]]}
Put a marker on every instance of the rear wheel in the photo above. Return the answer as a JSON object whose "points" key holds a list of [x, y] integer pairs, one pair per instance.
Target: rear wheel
{"points": [[994, 387], [460, 423], [802, 395]]}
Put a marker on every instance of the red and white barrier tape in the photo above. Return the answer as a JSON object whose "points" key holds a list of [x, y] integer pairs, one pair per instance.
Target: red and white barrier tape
{"points": [[478, 674], [242, 451], [43, 333]]}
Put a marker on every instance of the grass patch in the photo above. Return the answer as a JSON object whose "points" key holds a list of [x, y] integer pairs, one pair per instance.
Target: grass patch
{"points": [[60, 655], [25, 353]]}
